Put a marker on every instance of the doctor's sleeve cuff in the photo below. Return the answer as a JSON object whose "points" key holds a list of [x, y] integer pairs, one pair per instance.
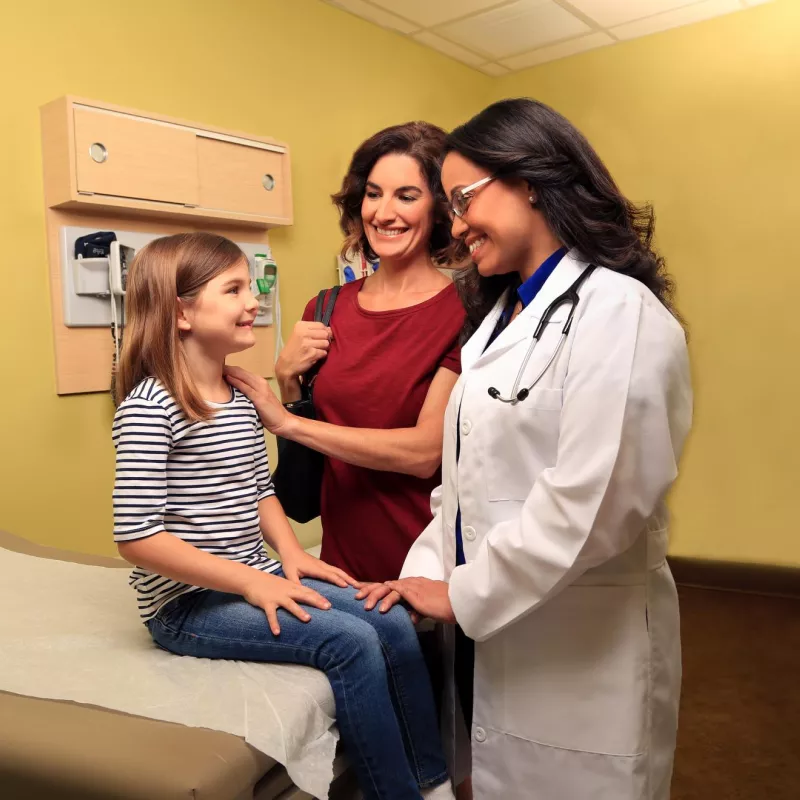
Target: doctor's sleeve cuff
{"points": [[424, 559], [466, 605]]}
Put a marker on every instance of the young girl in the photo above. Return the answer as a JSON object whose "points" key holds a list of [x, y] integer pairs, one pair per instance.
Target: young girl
{"points": [[193, 504]]}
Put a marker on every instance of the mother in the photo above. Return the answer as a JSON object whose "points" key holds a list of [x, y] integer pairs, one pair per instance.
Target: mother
{"points": [[391, 358]]}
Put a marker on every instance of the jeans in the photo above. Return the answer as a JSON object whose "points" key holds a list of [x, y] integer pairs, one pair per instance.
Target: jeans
{"points": [[384, 703]]}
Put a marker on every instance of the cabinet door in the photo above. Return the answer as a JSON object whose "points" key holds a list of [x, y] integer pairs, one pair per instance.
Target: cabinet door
{"points": [[238, 177], [134, 157]]}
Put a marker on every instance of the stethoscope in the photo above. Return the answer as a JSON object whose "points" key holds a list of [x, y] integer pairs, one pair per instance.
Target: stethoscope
{"points": [[569, 297]]}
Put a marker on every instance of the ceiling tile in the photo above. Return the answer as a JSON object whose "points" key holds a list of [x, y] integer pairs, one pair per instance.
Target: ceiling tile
{"points": [[428, 13], [377, 15], [495, 70], [696, 12], [616, 12], [515, 28], [448, 48], [556, 51]]}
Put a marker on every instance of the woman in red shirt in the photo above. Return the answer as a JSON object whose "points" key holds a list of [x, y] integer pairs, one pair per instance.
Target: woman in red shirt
{"points": [[391, 358]]}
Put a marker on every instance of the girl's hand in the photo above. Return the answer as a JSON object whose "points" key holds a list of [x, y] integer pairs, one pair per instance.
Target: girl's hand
{"points": [[271, 592], [299, 564], [375, 592], [273, 415], [428, 598], [308, 343]]}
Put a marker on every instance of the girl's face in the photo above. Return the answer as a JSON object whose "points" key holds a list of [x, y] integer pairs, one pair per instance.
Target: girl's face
{"points": [[220, 319], [397, 209], [499, 225]]}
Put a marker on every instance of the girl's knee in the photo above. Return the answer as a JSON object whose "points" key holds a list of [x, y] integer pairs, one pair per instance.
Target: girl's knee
{"points": [[354, 639], [396, 626]]}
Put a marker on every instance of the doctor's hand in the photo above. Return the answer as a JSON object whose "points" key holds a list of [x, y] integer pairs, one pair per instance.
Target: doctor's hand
{"points": [[428, 598], [274, 417], [299, 564], [377, 592]]}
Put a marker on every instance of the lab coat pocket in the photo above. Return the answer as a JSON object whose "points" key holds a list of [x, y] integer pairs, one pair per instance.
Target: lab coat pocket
{"points": [[575, 671], [521, 441]]}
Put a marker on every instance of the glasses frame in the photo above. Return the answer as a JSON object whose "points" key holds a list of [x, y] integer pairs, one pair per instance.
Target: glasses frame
{"points": [[465, 196]]}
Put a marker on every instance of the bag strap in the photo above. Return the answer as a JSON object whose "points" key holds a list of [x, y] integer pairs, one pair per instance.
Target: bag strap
{"points": [[318, 309], [322, 312]]}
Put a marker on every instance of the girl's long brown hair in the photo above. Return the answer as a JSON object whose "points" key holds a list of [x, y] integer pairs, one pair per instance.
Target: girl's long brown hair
{"points": [[164, 270]]}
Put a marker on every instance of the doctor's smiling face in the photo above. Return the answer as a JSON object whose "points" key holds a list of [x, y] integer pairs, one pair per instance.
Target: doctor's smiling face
{"points": [[498, 223]]}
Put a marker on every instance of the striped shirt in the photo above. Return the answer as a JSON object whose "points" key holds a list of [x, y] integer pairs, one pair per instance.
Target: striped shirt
{"points": [[199, 481]]}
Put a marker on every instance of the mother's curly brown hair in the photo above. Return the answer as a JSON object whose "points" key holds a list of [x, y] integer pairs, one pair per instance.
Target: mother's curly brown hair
{"points": [[424, 143]]}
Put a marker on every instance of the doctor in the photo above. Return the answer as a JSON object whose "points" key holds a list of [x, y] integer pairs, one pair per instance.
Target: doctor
{"points": [[562, 439]]}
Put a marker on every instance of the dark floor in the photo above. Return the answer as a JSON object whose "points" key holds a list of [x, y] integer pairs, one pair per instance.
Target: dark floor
{"points": [[739, 736]]}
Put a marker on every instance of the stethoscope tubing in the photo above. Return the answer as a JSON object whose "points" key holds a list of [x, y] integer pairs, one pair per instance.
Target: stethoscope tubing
{"points": [[570, 296]]}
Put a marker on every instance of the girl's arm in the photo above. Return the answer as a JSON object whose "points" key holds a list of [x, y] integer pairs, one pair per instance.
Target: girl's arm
{"points": [[410, 451], [171, 557]]}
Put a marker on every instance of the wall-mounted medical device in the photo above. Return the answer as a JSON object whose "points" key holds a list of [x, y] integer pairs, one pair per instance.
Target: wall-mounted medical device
{"points": [[89, 283]]}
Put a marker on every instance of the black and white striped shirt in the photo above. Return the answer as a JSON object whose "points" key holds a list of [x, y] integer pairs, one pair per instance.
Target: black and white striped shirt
{"points": [[200, 481]]}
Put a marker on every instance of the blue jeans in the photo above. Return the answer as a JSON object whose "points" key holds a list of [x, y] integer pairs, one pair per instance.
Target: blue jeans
{"points": [[384, 702]]}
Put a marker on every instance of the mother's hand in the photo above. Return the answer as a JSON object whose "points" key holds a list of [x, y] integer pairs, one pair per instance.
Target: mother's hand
{"points": [[273, 415], [428, 598], [308, 343]]}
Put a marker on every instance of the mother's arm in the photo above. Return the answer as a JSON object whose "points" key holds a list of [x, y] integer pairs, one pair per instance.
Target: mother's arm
{"points": [[410, 451]]}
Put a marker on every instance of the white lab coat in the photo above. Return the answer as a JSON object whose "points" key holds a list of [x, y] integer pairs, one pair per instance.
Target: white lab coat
{"points": [[566, 590]]}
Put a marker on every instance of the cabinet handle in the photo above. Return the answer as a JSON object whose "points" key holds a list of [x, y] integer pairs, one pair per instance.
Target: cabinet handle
{"points": [[268, 182], [98, 152]]}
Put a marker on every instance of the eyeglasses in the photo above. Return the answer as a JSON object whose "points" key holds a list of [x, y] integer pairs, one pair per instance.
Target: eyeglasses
{"points": [[461, 198]]}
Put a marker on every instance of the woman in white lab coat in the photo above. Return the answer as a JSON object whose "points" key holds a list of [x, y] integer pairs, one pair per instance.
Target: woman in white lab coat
{"points": [[547, 550]]}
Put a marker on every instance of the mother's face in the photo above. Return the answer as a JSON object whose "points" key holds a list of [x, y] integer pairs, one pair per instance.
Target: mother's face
{"points": [[499, 223], [397, 209]]}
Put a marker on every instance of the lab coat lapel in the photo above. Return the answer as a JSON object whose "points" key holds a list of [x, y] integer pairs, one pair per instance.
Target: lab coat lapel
{"points": [[475, 351], [476, 344]]}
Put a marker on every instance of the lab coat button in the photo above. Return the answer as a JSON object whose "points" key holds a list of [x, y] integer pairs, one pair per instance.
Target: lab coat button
{"points": [[466, 427], [480, 735], [469, 533]]}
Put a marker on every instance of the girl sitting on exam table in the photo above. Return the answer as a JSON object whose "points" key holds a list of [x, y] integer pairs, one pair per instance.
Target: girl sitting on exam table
{"points": [[194, 503]]}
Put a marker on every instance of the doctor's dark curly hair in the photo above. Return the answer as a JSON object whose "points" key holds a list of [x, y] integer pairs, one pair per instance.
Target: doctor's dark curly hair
{"points": [[423, 142], [525, 139]]}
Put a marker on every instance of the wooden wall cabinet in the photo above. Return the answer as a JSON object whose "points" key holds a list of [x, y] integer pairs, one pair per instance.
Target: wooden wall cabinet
{"points": [[112, 168], [106, 157]]}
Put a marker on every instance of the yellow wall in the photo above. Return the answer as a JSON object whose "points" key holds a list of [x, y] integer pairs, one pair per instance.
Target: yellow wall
{"points": [[704, 122], [298, 70]]}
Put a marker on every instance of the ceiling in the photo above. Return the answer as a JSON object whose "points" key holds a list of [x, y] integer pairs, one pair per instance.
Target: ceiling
{"points": [[502, 36]]}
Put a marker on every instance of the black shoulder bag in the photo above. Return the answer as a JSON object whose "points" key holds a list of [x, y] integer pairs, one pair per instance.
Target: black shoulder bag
{"points": [[298, 476]]}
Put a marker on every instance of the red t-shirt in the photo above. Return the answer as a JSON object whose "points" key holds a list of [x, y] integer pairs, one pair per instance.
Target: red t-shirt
{"points": [[376, 375]]}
